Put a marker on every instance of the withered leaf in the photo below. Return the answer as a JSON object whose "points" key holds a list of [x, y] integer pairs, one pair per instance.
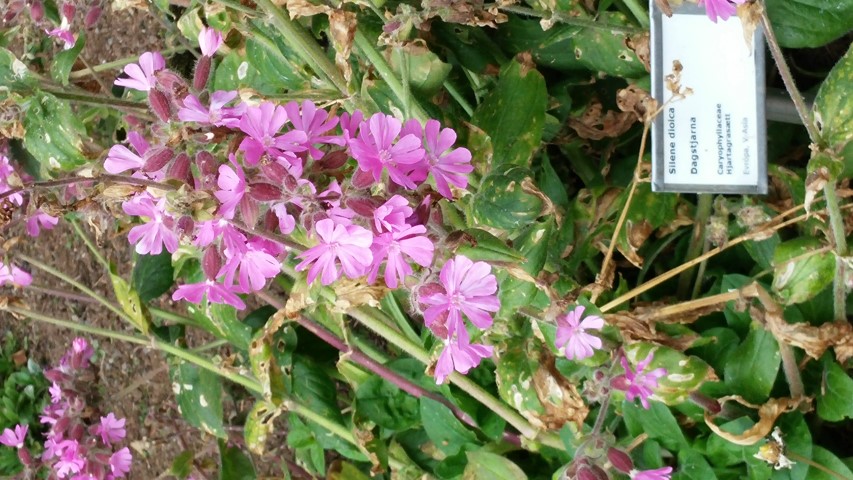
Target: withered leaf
{"points": [[594, 124], [767, 413]]}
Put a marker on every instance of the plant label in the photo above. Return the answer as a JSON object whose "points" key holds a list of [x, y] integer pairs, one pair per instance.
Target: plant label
{"points": [[712, 137]]}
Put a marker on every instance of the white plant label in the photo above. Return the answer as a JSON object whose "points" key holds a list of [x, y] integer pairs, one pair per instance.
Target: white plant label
{"points": [[713, 140]]}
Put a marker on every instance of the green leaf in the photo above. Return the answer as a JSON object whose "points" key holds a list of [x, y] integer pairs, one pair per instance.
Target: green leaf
{"points": [[266, 369], [752, 368], [684, 373], [513, 114], [346, 471], [533, 243], [809, 23], [236, 465], [505, 199], [199, 394], [221, 321], [484, 465], [129, 301], [824, 457], [274, 61], [258, 426], [385, 404], [835, 401], [833, 107], [63, 62], [14, 74], [693, 466], [658, 422], [443, 428], [723, 453], [480, 245], [53, 134], [182, 464], [801, 270], [426, 72], [152, 275]]}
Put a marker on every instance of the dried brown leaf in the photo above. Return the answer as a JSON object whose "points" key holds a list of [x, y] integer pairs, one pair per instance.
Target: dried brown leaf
{"points": [[342, 25], [561, 400], [350, 294], [642, 328], [639, 44], [594, 124], [304, 8], [767, 413]]}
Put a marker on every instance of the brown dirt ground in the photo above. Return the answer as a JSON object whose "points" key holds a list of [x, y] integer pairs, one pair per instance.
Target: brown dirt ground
{"points": [[133, 381]]}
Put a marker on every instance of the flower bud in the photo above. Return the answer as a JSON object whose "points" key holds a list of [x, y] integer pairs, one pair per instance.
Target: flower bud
{"points": [[13, 9], [275, 171], [159, 103], [620, 460], [362, 179], [333, 160], [25, 457], [364, 206], [211, 262], [186, 225], [264, 192], [202, 72], [591, 472], [157, 158], [173, 84], [37, 11], [180, 169], [709, 404], [249, 210], [206, 164], [61, 425], [77, 431], [92, 17], [68, 10], [270, 220]]}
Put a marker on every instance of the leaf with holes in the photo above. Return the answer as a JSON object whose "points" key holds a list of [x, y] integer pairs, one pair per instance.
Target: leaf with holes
{"points": [[684, 373], [199, 395]]}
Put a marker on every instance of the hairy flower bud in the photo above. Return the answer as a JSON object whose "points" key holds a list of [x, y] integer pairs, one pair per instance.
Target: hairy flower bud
{"points": [[620, 460], [202, 72], [333, 160], [364, 206], [68, 10], [591, 472], [157, 158], [186, 224], [264, 192], [159, 103], [37, 11], [25, 457], [362, 179], [207, 167], [13, 9], [180, 169], [275, 172], [211, 262], [92, 17], [173, 84]]}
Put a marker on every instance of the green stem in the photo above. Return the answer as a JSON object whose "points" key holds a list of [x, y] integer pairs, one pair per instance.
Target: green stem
{"points": [[368, 318], [697, 241], [56, 273], [387, 73], [460, 99], [78, 326], [171, 316], [94, 99], [121, 62], [639, 12], [562, 18], [304, 45], [836, 223]]}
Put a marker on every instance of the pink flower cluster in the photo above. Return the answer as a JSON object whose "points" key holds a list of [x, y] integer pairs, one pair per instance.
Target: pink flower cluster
{"points": [[11, 179], [289, 173], [74, 447]]}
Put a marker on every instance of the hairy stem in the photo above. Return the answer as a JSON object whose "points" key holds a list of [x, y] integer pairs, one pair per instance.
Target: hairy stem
{"points": [[121, 179], [836, 223], [121, 62], [95, 252], [387, 73]]}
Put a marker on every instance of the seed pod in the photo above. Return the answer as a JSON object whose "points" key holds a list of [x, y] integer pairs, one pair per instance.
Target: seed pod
{"points": [[202, 72], [159, 103], [157, 158], [25, 457]]}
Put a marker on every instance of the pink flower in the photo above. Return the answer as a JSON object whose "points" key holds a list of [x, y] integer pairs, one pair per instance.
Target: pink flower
{"points": [[120, 158], [286, 221], [262, 125], [720, 8], [7, 173], [638, 383], [216, 114], [350, 124], [469, 288], [255, 264], [55, 393], [14, 439], [209, 41], [391, 247], [71, 460], [111, 429], [392, 215], [142, 74], [12, 275], [447, 166], [314, 123], [656, 474], [120, 462], [375, 149], [151, 237], [63, 32], [40, 220], [216, 293], [348, 245], [460, 355], [571, 332], [232, 188]]}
